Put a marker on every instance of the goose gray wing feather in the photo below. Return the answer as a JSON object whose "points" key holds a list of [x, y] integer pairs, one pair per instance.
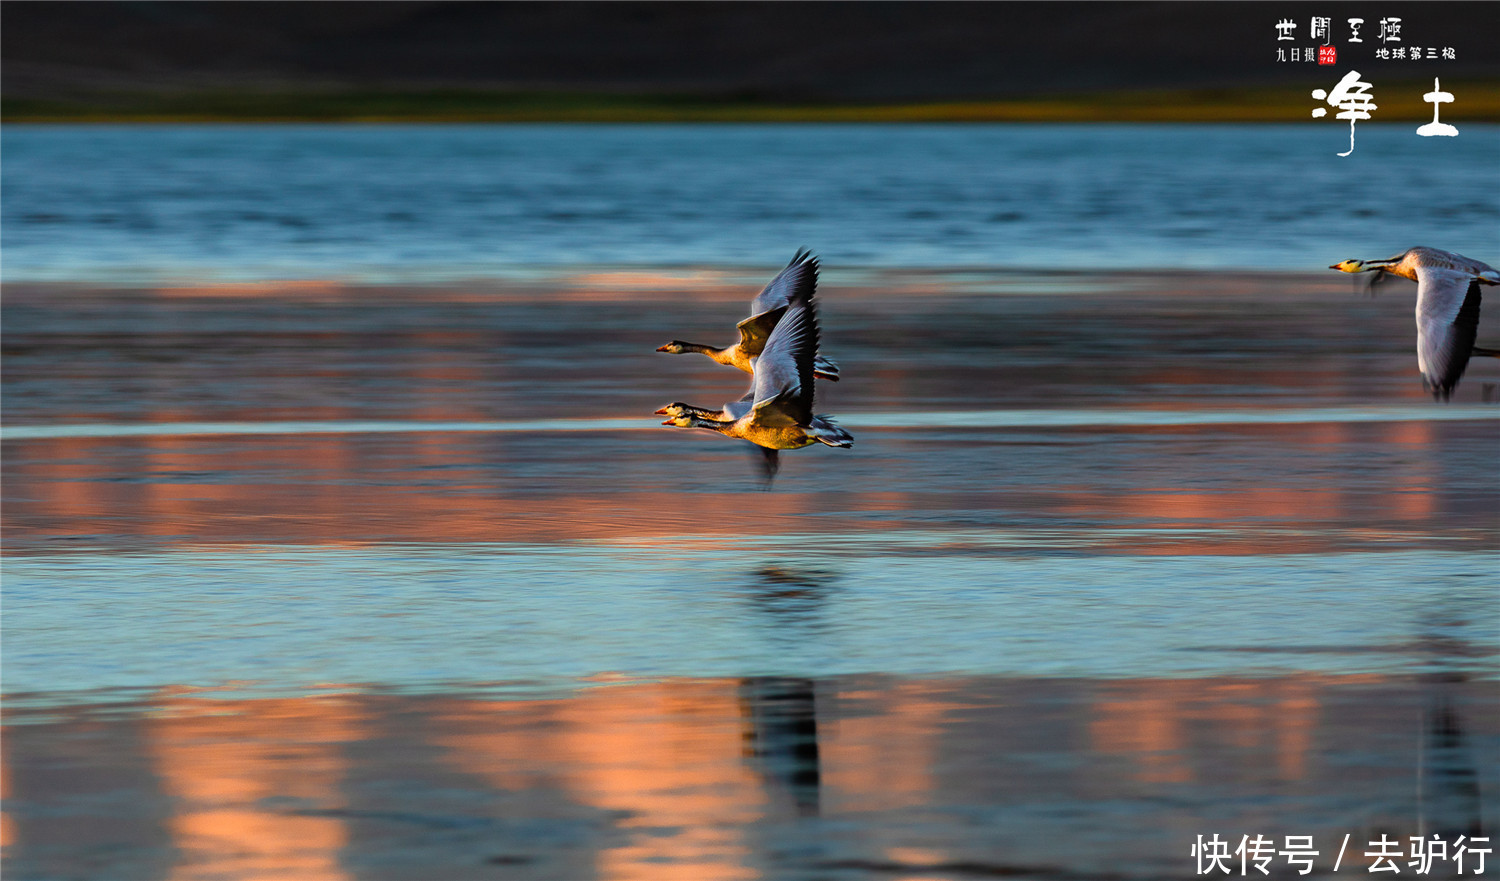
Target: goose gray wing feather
{"points": [[737, 409], [755, 330], [784, 372], [799, 277], [1447, 324], [1437, 258]]}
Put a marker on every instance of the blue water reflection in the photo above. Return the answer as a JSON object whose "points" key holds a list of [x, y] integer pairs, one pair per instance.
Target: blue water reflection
{"points": [[405, 202], [904, 604]]}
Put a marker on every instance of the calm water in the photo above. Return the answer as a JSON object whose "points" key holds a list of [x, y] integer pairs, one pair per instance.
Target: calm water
{"points": [[407, 202], [330, 580], [910, 603], [1090, 477], [312, 582]]}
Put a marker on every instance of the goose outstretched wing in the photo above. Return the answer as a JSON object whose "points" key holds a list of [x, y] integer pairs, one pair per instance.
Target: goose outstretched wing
{"points": [[798, 278], [784, 372], [1447, 324], [755, 330], [737, 409]]}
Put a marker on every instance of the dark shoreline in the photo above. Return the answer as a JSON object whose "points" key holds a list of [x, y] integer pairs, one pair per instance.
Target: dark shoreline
{"points": [[1400, 102]]}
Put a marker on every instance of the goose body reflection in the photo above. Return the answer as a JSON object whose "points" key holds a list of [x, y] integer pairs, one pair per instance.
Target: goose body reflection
{"points": [[767, 309], [1447, 308], [781, 737]]}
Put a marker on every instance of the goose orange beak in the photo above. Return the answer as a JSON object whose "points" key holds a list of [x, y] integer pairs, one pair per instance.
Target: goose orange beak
{"points": [[662, 412], [661, 348]]}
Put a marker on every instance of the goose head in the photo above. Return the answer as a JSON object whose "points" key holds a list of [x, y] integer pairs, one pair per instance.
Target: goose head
{"points": [[1354, 266], [676, 347], [681, 421], [674, 409]]}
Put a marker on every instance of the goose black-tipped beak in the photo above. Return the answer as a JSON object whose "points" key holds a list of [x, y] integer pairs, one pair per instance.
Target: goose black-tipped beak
{"points": [[661, 348], [668, 422], [1334, 266]]}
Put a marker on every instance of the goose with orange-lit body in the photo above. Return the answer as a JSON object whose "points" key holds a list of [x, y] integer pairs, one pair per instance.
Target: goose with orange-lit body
{"points": [[769, 306], [823, 430], [1447, 309], [776, 414]]}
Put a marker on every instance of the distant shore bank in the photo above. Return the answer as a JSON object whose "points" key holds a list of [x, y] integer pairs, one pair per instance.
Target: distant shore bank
{"points": [[1476, 101]]}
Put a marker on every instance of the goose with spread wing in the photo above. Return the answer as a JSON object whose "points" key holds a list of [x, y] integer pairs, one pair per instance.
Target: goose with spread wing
{"points": [[1447, 308], [768, 308], [777, 412]]}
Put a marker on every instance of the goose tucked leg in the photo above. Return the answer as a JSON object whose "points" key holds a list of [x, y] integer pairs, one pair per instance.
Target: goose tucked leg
{"points": [[1373, 282], [770, 463]]}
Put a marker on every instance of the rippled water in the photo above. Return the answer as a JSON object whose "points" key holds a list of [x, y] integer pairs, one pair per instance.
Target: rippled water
{"points": [[1155, 476], [924, 603], [335, 581], [407, 202], [931, 419]]}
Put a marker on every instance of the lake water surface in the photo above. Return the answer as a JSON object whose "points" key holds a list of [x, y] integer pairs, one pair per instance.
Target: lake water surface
{"points": [[413, 202], [337, 579]]}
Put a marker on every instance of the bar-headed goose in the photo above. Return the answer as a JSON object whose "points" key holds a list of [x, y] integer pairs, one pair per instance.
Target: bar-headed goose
{"points": [[824, 430], [777, 412], [1447, 308], [766, 310]]}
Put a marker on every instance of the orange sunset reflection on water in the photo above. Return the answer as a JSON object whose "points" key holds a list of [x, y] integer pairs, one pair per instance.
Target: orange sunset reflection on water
{"points": [[462, 486], [566, 642], [697, 779]]}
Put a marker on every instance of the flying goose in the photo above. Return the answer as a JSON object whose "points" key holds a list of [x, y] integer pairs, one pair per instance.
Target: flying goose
{"points": [[766, 310], [777, 412], [1447, 309], [823, 429]]}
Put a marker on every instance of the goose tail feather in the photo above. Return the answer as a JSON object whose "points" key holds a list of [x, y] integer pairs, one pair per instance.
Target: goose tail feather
{"points": [[830, 434]]}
